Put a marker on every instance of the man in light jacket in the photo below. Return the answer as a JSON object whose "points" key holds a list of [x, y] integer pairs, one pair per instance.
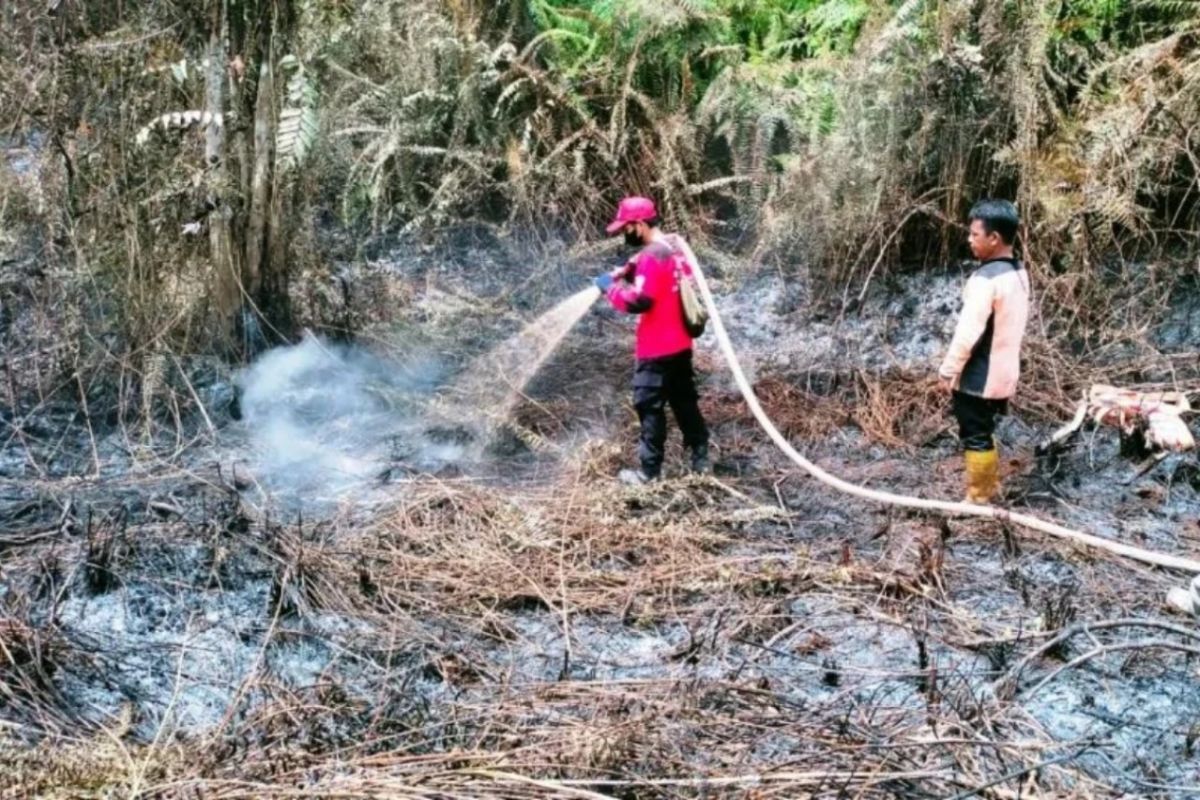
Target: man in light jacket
{"points": [[984, 360]]}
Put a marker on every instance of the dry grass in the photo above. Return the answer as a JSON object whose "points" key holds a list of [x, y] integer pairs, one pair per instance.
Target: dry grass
{"points": [[487, 620], [894, 410], [461, 553], [460, 697], [900, 410]]}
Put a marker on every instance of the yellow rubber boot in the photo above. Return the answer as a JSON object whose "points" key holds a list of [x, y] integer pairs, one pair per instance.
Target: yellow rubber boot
{"points": [[983, 475]]}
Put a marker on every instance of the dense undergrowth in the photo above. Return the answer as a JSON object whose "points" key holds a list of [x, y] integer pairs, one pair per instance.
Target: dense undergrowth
{"points": [[835, 140]]}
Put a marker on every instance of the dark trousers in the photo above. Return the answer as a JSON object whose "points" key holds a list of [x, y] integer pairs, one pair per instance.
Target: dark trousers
{"points": [[977, 420], [658, 382]]}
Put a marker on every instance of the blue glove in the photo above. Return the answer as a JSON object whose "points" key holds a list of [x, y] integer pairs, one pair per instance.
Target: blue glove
{"points": [[603, 282]]}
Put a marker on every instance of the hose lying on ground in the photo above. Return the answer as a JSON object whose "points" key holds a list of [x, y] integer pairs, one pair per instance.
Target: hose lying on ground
{"points": [[905, 501]]}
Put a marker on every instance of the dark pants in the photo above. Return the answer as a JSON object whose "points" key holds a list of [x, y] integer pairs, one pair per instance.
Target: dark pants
{"points": [[658, 382], [977, 420]]}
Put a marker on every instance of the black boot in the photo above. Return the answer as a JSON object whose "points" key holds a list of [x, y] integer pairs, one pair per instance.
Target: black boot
{"points": [[700, 464]]}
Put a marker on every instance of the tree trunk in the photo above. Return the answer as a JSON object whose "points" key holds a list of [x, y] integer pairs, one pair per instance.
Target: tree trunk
{"points": [[221, 251], [260, 183], [248, 241], [276, 303], [275, 263]]}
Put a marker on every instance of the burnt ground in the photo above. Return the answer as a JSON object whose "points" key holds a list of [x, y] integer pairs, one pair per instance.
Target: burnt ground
{"points": [[352, 605]]}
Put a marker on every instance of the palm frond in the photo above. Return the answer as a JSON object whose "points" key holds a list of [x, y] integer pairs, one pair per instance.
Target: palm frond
{"points": [[177, 120], [299, 123]]}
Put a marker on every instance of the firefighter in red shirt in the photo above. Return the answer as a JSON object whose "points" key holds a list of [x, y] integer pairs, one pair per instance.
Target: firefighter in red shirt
{"points": [[648, 285]]}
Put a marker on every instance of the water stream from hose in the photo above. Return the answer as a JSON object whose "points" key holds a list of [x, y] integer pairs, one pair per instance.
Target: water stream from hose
{"points": [[494, 382]]}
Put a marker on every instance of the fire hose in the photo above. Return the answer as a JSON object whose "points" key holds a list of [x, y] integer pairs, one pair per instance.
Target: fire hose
{"points": [[906, 501]]}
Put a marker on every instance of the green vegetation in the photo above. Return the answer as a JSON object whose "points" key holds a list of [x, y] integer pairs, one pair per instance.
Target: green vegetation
{"points": [[839, 139]]}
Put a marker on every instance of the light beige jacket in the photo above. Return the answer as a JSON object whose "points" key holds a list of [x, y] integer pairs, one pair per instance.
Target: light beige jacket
{"points": [[985, 354]]}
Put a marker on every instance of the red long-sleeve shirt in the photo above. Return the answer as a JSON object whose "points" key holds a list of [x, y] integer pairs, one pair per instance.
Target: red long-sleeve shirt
{"points": [[654, 294]]}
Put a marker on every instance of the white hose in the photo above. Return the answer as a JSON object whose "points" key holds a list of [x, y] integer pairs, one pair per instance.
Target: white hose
{"points": [[905, 501]]}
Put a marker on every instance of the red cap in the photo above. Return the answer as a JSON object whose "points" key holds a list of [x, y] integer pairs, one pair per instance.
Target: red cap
{"points": [[632, 209]]}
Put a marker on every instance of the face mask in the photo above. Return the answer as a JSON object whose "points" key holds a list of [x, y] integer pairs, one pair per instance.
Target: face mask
{"points": [[632, 238]]}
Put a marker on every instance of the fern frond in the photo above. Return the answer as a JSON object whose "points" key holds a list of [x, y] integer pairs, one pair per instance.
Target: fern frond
{"points": [[1183, 9], [1113, 207], [717, 184], [298, 120], [178, 120], [507, 95], [666, 15], [558, 34], [616, 129]]}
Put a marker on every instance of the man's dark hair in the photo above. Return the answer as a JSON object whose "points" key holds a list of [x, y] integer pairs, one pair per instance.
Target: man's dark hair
{"points": [[997, 216]]}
